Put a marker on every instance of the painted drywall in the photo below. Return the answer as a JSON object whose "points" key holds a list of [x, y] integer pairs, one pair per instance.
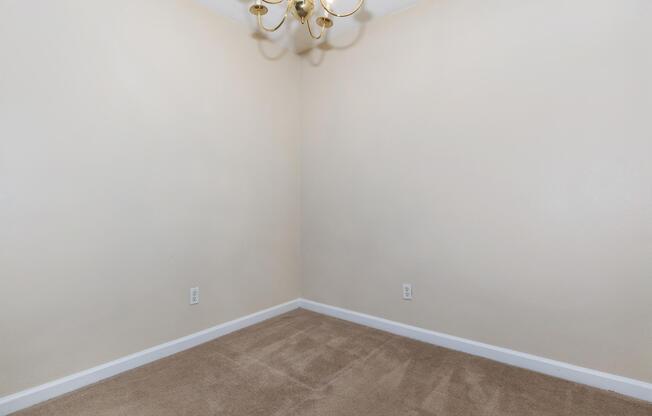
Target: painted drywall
{"points": [[496, 155], [141, 154], [493, 154]]}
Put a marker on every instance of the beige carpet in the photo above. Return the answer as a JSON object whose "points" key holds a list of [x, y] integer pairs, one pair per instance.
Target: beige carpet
{"points": [[305, 364]]}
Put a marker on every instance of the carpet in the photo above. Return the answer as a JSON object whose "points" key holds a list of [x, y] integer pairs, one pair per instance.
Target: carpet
{"points": [[306, 364]]}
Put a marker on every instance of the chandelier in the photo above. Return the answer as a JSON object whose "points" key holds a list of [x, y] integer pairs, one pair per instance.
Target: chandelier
{"points": [[303, 11]]}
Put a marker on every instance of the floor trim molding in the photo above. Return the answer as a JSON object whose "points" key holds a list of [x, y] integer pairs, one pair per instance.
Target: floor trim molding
{"points": [[623, 385], [627, 386], [35, 395]]}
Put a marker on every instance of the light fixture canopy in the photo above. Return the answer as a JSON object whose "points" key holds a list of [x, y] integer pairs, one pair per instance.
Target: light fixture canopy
{"points": [[303, 11]]}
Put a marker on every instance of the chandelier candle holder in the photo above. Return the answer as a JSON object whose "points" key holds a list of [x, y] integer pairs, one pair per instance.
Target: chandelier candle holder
{"points": [[303, 11]]}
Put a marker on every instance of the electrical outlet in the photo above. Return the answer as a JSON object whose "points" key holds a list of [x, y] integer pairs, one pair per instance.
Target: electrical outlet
{"points": [[194, 295], [407, 291]]}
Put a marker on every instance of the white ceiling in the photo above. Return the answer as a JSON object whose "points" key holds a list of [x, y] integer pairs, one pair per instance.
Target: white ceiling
{"points": [[295, 36]]}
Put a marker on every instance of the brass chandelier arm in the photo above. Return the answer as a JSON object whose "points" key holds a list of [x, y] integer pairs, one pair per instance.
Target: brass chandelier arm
{"points": [[275, 28], [273, 2], [321, 32], [331, 12]]}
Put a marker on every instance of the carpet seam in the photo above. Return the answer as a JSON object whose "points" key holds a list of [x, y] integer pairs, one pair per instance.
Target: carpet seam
{"points": [[339, 373], [248, 356]]}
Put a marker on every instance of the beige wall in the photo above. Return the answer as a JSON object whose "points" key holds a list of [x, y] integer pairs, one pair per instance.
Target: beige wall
{"points": [[497, 155], [131, 170], [494, 154]]}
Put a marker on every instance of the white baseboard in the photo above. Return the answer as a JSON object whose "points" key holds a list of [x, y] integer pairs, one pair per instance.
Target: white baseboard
{"points": [[629, 387], [626, 386], [30, 397]]}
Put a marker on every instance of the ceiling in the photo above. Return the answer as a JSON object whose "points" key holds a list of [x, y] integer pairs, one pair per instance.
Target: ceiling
{"points": [[294, 36]]}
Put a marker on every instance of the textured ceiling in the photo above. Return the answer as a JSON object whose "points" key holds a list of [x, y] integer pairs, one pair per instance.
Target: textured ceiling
{"points": [[294, 36]]}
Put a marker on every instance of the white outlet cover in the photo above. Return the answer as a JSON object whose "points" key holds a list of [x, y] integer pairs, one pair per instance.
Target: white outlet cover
{"points": [[407, 291], [194, 295]]}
